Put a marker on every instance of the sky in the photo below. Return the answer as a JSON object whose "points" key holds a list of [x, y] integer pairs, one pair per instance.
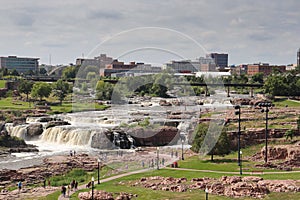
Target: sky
{"points": [[153, 31]]}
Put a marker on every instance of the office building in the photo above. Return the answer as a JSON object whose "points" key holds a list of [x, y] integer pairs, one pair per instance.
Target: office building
{"points": [[220, 59], [264, 68], [22, 65]]}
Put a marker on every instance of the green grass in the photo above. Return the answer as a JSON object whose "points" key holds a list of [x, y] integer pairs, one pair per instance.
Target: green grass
{"points": [[70, 107], [9, 103], [286, 102], [2, 83], [145, 194]]}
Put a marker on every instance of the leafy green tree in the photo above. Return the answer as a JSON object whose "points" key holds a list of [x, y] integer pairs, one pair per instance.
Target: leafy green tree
{"points": [[69, 72], [40, 90], [258, 78], [289, 134], [61, 89], [14, 72], [25, 87], [222, 147], [104, 90]]}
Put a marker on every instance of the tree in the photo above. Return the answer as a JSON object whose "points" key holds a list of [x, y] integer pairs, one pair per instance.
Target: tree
{"points": [[289, 134], [61, 89], [40, 90], [258, 78], [25, 87], [222, 147], [69, 72], [14, 72]]}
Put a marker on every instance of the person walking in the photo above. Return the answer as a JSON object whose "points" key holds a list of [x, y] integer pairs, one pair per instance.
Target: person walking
{"points": [[68, 191], [44, 183], [75, 185], [63, 191], [20, 186]]}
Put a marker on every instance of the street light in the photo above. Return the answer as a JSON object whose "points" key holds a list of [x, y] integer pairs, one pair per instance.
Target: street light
{"points": [[98, 171], [157, 162], [206, 193], [238, 112], [182, 141], [93, 188], [266, 106], [241, 169]]}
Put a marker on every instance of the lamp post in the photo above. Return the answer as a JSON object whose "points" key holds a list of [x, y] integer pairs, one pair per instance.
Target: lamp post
{"points": [[182, 141], [98, 171], [241, 169], [157, 162], [93, 188], [206, 193], [265, 108], [238, 112]]}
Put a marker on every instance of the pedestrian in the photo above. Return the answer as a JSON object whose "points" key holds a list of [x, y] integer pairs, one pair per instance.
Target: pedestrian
{"points": [[68, 190], [143, 164], [44, 183], [176, 154], [63, 190], [71, 153], [49, 183], [20, 186], [74, 153], [72, 184], [172, 154], [76, 185], [163, 161]]}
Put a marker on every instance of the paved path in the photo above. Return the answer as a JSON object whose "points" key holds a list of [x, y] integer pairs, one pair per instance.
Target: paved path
{"points": [[182, 169], [107, 179]]}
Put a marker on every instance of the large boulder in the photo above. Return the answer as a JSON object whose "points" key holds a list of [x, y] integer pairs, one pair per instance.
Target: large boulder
{"points": [[34, 130]]}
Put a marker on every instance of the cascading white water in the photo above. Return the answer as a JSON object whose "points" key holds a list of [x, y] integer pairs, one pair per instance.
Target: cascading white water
{"points": [[18, 131]]}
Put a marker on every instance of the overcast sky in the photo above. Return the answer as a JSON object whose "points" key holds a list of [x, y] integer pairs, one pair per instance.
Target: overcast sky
{"points": [[249, 31]]}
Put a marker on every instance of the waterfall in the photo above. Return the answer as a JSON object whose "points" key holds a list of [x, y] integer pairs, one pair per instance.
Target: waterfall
{"points": [[18, 131], [69, 135]]}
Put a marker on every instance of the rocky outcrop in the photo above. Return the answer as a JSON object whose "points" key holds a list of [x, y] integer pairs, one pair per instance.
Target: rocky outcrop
{"points": [[34, 130], [56, 123], [103, 195], [231, 186], [52, 166]]}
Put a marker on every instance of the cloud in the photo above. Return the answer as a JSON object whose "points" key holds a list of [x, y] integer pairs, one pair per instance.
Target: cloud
{"points": [[247, 30]]}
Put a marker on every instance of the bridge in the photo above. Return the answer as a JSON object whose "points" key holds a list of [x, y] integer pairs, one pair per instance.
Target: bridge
{"points": [[206, 85]]}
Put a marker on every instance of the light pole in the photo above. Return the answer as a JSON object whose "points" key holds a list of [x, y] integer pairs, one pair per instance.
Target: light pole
{"points": [[238, 112], [182, 141], [206, 193], [98, 171], [266, 106], [241, 169], [157, 162], [93, 188]]}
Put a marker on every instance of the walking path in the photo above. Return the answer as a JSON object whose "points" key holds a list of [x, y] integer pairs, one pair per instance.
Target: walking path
{"points": [[182, 169]]}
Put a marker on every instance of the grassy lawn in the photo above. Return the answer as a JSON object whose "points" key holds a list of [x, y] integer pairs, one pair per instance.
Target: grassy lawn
{"points": [[145, 194], [9, 103], [286, 102], [69, 107], [2, 83]]}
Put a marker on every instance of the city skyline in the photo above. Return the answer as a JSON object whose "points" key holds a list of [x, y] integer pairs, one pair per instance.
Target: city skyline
{"points": [[249, 32]]}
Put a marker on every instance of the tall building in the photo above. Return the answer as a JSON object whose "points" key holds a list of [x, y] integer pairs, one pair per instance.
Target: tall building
{"points": [[99, 61], [22, 65], [298, 57], [221, 59], [264, 68]]}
